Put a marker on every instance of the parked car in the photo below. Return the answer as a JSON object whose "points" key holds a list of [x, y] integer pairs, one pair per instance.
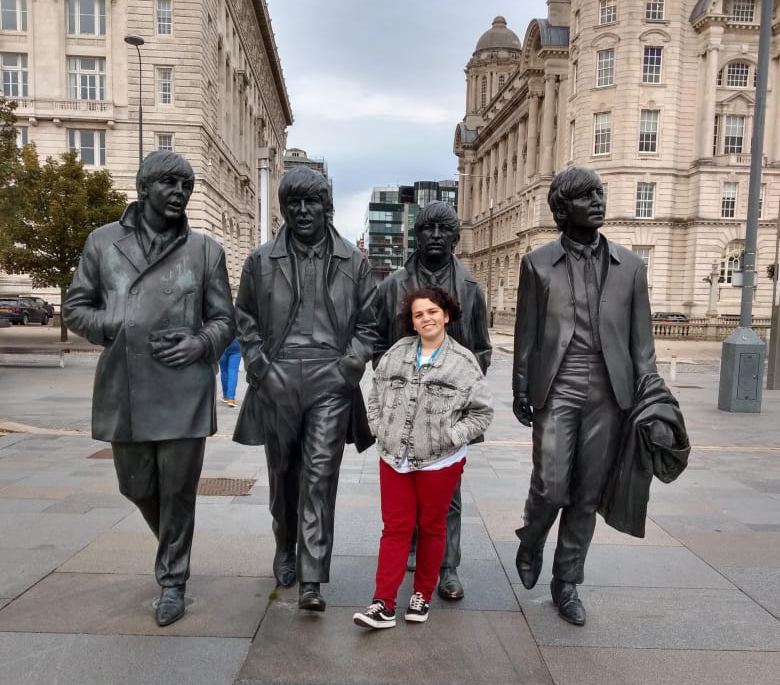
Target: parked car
{"points": [[669, 317], [23, 310], [40, 302]]}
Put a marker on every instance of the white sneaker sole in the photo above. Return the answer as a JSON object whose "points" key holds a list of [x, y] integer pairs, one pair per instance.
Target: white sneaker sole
{"points": [[416, 618], [366, 622]]}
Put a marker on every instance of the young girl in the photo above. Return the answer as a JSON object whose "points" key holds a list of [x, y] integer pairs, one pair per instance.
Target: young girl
{"points": [[428, 400]]}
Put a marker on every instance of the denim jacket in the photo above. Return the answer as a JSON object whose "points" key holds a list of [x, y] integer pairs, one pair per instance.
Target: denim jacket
{"points": [[427, 413]]}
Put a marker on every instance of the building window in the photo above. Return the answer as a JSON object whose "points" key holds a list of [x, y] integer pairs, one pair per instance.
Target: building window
{"points": [[731, 260], [651, 65], [733, 134], [14, 67], [737, 74], [22, 138], [645, 200], [761, 201], [644, 252], [607, 11], [484, 91], [576, 22], [87, 78], [648, 130], [13, 15], [654, 10], [165, 141], [715, 134], [87, 17], [501, 81], [165, 17], [605, 67], [91, 146], [164, 85], [602, 133], [574, 70], [743, 11], [728, 201]]}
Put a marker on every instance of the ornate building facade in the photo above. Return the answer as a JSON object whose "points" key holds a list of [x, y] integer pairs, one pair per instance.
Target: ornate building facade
{"points": [[656, 96], [211, 88]]}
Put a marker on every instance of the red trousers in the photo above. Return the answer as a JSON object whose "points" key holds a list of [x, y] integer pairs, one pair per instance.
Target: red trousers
{"points": [[422, 498]]}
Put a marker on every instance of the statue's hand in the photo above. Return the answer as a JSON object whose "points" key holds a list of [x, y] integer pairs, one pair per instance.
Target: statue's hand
{"points": [[522, 409], [185, 349]]}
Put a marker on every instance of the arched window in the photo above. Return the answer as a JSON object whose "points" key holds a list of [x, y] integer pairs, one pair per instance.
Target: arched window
{"points": [[737, 74], [484, 91], [731, 260]]}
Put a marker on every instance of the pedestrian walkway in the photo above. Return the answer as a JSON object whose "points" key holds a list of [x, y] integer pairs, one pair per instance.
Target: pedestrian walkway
{"points": [[694, 602]]}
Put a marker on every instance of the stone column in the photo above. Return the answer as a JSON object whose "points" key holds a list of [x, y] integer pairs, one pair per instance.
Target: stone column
{"points": [[511, 148], [465, 192], [548, 119], [483, 205], [501, 185], [707, 121], [492, 175], [521, 141], [774, 155], [533, 119], [562, 134]]}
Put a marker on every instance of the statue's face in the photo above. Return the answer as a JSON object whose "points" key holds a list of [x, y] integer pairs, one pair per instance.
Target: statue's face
{"points": [[166, 198], [586, 211], [305, 215], [436, 241]]}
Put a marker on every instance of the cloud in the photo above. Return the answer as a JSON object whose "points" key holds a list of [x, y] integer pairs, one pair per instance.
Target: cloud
{"points": [[337, 98], [349, 215]]}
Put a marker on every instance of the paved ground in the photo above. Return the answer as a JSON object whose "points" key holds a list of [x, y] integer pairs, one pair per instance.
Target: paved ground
{"points": [[694, 602]]}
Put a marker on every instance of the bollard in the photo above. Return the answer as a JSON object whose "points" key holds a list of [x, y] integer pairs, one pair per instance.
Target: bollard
{"points": [[673, 368]]}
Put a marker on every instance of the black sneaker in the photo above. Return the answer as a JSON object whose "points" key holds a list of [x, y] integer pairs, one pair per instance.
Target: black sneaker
{"points": [[376, 615], [418, 609]]}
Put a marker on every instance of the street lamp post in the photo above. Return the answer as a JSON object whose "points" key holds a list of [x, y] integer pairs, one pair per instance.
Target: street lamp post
{"points": [[137, 41]]}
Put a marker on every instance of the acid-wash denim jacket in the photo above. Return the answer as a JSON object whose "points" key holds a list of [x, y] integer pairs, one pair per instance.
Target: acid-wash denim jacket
{"points": [[427, 413]]}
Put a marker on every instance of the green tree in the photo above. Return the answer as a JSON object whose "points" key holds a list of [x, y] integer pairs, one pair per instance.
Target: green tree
{"points": [[47, 211]]}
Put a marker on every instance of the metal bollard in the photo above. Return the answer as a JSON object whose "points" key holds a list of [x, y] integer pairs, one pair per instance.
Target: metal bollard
{"points": [[673, 368]]}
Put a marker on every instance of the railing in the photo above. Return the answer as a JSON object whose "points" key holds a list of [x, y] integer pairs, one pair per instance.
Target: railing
{"points": [[54, 108], [709, 329]]}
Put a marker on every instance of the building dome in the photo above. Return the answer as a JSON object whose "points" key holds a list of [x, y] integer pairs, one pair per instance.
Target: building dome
{"points": [[498, 37]]}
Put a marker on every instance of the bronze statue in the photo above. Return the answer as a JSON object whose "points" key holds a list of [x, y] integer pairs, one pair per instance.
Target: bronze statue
{"points": [[433, 263], [583, 340], [306, 327], [156, 296]]}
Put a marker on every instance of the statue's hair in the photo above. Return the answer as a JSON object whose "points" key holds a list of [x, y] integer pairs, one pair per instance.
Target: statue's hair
{"points": [[302, 181], [570, 183], [162, 163], [437, 212]]}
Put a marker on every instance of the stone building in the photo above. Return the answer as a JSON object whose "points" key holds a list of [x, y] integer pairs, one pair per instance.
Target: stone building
{"points": [[656, 96], [211, 87]]}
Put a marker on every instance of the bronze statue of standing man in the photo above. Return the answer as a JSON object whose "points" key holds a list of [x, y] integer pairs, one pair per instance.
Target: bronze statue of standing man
{"points": [[583, 338], [156, 296], [306, 327]]}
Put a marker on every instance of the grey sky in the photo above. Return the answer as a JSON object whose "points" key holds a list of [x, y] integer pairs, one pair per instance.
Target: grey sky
{"points": [[377, 86]]}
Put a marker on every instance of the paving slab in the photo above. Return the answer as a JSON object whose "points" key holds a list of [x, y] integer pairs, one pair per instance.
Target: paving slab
{"points": [[45, 659], [33, 530], [113, 604], [760, 584], [20, 569], [213, 554], [629, 566], [734, 549], [657, 618], [451, 648], [486, 585], [596, 666]]}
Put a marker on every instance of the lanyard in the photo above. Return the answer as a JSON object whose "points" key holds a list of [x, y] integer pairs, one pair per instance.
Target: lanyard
{"points": [[419, 350]]}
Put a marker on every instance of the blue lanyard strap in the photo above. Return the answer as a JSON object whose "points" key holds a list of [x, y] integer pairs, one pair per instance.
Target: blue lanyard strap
{"points": [[419, 351]]}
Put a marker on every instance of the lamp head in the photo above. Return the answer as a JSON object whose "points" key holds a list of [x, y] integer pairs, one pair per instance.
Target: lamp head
{"points": [[134, 39]]}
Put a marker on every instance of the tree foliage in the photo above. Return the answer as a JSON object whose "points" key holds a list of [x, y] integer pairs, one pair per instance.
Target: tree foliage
{"points": [[48, 210]]}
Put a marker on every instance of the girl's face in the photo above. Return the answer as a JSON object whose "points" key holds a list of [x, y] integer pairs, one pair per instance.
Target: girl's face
{"points": [[429, 320]]}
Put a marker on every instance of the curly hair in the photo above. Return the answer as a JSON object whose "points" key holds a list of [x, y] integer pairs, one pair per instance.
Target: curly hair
{"points": [[436, 295]]}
